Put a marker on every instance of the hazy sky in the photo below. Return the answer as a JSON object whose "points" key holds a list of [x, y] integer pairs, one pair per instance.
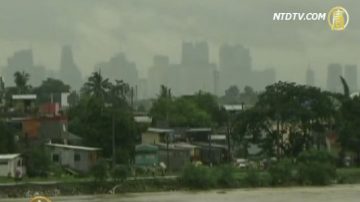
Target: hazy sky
{"points": [[142, 28]]}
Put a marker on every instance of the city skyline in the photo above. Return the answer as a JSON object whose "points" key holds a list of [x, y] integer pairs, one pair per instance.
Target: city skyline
{"points": [[97, 30]]}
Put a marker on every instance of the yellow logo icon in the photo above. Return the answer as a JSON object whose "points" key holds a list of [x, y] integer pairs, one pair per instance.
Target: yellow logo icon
{"points": [[338, 18], [40, 199]]}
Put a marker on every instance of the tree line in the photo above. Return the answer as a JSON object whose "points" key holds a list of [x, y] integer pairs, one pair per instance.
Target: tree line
{"points": [[284, 120]]}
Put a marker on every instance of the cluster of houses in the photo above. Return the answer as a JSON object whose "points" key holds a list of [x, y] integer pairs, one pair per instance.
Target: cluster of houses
{"points": [[177, 147], [44, 125]]}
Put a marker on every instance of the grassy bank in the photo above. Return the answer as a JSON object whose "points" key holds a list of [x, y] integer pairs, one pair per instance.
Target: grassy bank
{"points": [[218, 178]]}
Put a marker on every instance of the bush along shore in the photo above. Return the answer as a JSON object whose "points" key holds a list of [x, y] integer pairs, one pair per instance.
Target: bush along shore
{"points": [[311, 168]]}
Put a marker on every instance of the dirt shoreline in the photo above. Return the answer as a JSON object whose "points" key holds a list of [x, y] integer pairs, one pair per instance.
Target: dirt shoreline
{"points": [[348, 193]]}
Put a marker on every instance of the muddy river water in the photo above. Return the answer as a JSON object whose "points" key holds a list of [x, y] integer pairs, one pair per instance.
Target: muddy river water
{"points": [[343, 193]]}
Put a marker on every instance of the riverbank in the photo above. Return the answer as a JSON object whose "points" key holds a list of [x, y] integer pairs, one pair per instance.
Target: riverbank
{"points": [[335, 193], [88, 186], [26, 190]]}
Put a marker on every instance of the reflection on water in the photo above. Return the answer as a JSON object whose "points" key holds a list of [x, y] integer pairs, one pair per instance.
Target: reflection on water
{"points": [[348, 193]]}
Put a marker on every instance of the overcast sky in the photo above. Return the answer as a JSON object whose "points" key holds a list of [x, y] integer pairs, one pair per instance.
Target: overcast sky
{"points": [[142, 28]]}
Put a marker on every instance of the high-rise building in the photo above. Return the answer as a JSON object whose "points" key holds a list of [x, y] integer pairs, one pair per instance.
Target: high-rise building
{"points": [[23, 61], [195, 72], [69, 72], [333, 77], [235, 66], [310, 77], [350, 74], [195, 53], [216, 82], [158, 74], [119, 68]]}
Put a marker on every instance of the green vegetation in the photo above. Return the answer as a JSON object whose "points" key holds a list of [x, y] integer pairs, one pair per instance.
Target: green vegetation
{"points": [[7, 141], [99, 172], [38, 162], [289, 122], [120, 173], [316, 168], [198, 177], [282, 172]]}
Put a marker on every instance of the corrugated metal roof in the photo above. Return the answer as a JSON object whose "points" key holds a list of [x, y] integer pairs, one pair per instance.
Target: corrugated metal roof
{"points": [[74, 147], [199, 130], [24, 97], [8, 156], [218, 137], [160, 130], [185, 145], [233, 107], [143, 119]]}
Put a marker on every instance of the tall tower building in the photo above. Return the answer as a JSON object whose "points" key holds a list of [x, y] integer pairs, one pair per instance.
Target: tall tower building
{"points": [[195, 72], [195, 53], [333, 77], [119, 68], [22, 60], [235, 66], [216, 82], [350, 74], [69, 72], [310, 77]]}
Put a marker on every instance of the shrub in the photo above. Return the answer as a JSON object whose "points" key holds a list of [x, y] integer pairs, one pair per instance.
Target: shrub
{"points": [[316, 167], [99, 171], [38, 162], [199, 177], [226, 176], [316, 173], [282, 172], [252, 178], [120, 173], [320, 156]]}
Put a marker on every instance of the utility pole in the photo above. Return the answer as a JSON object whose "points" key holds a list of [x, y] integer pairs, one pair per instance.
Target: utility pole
{"points": [[210, 150], [113, 141], [167, 151], [167, 123]]}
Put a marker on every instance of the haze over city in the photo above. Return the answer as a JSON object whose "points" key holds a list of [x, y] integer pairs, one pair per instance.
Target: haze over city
{"points": [[139, 30]]}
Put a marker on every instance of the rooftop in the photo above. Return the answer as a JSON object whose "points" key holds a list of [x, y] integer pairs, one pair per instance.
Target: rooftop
{"points": [[199, 130], [74, 147], [143, 119], [160, 130], [8, 156], [233, 107], [24, 97]]}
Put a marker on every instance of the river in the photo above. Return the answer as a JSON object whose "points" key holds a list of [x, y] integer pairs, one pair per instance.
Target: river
{"points": [[339, 193]]}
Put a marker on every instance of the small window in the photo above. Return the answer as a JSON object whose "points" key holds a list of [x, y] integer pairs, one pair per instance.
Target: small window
{"points": [[55, 158], [77, 157]]}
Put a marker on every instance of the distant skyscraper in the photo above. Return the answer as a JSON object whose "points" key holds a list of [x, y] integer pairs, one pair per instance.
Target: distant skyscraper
{"points": [[158, 75], [120, 68], [235, 66], [350, 74], [333, 77], [69, 72], [216, 82], [23, 61], [310, 77], [195, 53], [261, 79], [195, 72]]}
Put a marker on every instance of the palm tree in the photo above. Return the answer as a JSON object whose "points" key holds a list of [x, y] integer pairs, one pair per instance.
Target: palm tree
{"points": [[120, 89], [96, 85], [21, 79]]}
